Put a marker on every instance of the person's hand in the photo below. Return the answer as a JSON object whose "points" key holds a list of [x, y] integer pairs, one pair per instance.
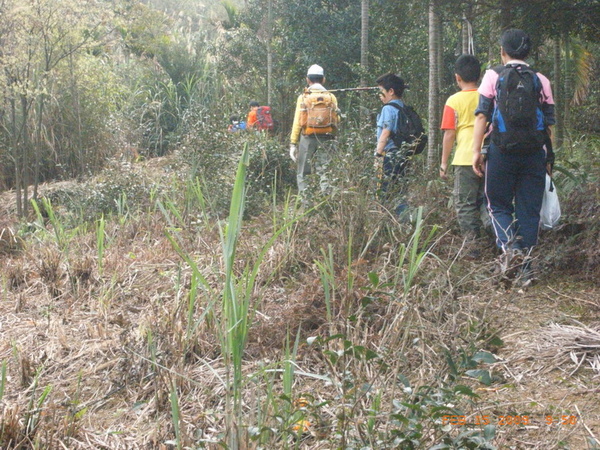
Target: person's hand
{"points": [[293, 152], [444, 171], [478, 164]]}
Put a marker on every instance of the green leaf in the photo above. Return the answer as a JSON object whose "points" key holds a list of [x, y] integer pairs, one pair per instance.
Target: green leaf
{"points": [[370, 354], [465, 390], [373, 279], [484, 357], [400, 418], [482, 375], [440, 447], [405, 381], [496, 341], [489, 432]]}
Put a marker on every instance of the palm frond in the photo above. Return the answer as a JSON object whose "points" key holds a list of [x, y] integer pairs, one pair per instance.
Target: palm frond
{"points": [[582, 63]]}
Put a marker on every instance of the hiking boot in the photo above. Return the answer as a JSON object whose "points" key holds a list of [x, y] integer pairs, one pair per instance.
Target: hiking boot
{"points": [[514, 266], [508, 264], [514, 259], [526, 275]]}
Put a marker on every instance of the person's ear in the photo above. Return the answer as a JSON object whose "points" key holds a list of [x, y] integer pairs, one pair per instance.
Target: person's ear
{"points": [[458, 78]]}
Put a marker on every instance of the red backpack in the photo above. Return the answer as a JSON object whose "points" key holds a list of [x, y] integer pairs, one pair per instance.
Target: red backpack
{"points": [[264, 120]]}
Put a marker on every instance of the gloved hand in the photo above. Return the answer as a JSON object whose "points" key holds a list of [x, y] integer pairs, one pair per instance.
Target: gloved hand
{"points": [[293, 152]]}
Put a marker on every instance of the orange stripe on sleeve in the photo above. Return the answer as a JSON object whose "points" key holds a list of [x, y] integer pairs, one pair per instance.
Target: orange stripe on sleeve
{"points": [[448, 119]]}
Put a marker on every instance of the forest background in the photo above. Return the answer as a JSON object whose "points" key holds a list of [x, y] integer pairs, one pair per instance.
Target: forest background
{"points": [[81, 83], [167, 290]]}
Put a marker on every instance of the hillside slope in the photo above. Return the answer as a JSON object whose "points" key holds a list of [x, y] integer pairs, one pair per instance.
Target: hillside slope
{"points": [[111, 339]]}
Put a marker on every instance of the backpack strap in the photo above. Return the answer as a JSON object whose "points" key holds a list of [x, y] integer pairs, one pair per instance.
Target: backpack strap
{"points": [[499, 69], [400, 111]]}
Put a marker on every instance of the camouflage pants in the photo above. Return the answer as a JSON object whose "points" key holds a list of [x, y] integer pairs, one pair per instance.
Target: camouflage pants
{"points": [[314, 157], [469, 202]]}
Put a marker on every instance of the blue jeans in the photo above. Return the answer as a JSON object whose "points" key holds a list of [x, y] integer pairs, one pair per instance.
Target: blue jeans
{"points": [[514, 188], [392, 182]]}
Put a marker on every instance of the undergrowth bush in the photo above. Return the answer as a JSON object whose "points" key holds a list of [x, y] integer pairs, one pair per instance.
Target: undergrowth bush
{"points": [[212, 156], [118, 189], [573, 248]]}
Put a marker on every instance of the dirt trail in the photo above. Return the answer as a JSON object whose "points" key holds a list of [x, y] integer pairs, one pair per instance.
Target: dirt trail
{"points": [[549, 396]]}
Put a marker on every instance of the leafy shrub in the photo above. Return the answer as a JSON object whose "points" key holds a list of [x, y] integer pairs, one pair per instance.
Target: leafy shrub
{"points": [[118, 189], [213, 156]]}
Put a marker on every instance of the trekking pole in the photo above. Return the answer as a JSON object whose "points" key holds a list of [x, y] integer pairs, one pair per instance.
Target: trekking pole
{"points": [[349, 89], [353, 89]]}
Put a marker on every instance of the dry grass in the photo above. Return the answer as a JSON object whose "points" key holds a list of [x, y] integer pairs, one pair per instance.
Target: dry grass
{"points": [[561, 347], [112, 344]]}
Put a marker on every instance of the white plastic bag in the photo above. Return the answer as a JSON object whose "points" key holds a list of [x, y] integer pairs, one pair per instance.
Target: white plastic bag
{"points": [[550, 213]]}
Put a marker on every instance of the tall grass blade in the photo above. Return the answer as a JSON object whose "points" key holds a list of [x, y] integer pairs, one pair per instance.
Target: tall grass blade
{"points": [[414, 254], [3, 379], [176, 415], [100, 238]]}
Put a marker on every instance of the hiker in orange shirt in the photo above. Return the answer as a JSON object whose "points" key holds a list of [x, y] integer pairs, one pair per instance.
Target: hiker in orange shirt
{"points": [[252, 117]]}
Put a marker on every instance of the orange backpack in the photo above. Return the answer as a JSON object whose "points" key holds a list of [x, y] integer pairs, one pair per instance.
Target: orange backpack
{"points": [[318, 114]]}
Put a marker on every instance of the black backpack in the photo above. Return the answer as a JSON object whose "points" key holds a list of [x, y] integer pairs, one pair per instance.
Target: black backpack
{"points": [[409, 130], [518, 119]]}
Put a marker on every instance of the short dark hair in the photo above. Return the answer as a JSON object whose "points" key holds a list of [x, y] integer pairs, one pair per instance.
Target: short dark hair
{"points": [[315, 78], [254, 103], [516, 43], [392, 81], [234, 118], [468, 68]]}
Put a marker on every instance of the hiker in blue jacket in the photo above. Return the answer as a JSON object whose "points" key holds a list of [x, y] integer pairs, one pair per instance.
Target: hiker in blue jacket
{"points": [[394, 161]]}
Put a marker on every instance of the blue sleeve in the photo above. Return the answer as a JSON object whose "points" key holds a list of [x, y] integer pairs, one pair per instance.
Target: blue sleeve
{"points": [[485, 106], [387, 118], [549, 117]]}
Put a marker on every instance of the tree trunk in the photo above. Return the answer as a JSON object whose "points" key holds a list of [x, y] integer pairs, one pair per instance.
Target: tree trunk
{"points": [[16, 155], [465, 36], [440, 77], [566, 90], [25, 154], [269, 53], [364, 41], [467, 31], [434, 84], [364, 61], [38, 144]]}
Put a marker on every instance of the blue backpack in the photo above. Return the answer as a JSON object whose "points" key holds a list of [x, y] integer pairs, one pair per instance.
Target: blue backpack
{"points": [[518, 118], [237, 126]]}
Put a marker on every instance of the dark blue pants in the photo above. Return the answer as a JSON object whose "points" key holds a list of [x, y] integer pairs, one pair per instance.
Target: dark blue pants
{"points": [[393, 183], [394, 167], [514, 187]]}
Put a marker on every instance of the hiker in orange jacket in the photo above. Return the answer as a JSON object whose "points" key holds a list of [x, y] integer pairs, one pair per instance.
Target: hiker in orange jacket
{"points": [[252, 117]]}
